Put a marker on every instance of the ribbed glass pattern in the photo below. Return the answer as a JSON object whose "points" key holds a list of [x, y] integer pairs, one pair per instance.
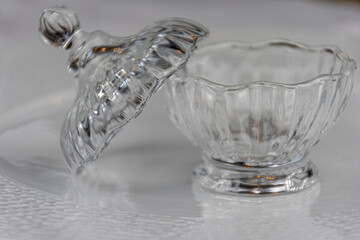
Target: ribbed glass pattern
{"points": [[259, 105], [115, 76]]}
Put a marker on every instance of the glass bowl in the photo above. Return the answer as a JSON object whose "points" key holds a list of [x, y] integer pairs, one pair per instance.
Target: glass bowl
{"points": [[256, 109]]}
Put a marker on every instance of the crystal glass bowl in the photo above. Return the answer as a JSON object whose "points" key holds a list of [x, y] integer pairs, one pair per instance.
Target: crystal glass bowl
{"points": [[256, 110]]}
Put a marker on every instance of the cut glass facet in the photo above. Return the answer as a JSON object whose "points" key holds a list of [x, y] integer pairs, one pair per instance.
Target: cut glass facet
{"points": [[115, 76]]}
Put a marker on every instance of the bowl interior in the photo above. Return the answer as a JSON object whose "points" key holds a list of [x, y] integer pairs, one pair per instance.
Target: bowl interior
{"points": [[233, 63]]}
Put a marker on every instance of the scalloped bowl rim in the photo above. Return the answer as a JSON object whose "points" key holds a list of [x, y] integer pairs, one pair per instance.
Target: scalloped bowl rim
{"points": [[347, 70]]}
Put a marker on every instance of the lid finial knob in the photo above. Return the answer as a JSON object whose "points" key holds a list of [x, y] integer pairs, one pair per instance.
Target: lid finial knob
{"points": [[58, 24]]}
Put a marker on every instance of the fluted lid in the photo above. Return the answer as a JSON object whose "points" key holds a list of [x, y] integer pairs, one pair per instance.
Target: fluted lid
{"points": [[115, 76]]}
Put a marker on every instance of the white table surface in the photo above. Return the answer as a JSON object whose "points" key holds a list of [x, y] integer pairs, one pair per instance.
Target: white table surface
{"points": [[142, 188]]}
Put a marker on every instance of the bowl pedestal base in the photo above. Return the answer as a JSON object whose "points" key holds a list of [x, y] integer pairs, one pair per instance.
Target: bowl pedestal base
{"points": [[225, 179]]}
